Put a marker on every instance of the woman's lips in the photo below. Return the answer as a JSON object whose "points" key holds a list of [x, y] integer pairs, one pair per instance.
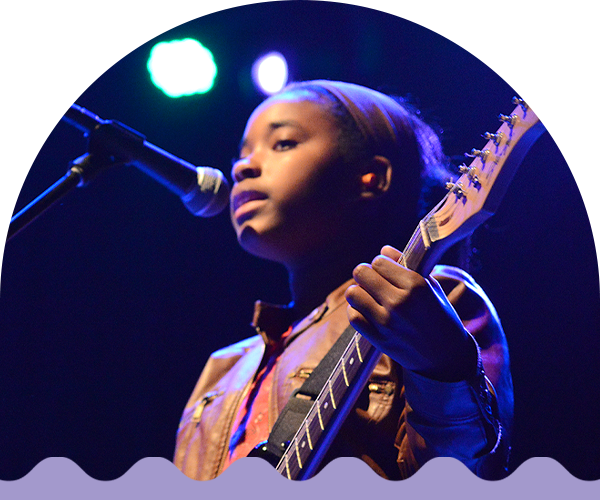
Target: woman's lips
{"points": [[241, 202]]}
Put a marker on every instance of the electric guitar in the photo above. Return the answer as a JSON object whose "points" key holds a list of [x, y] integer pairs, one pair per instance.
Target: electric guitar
{"points": [[470, 200]]}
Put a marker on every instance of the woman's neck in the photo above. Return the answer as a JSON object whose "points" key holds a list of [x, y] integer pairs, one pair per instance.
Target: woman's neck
{"points": [[312, 280]]}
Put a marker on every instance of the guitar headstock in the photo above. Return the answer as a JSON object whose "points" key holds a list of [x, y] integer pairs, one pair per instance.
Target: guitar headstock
{"points": [[476, 194]]}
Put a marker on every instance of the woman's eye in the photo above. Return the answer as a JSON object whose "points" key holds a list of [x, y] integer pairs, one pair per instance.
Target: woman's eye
{"points": [[285, 144]]}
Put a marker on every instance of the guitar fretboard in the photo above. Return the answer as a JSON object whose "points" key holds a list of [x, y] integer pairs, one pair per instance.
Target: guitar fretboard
{"points": [[359, 357]]}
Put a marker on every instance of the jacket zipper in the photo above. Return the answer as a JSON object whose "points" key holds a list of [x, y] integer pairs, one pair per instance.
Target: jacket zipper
{"points": [[197, 415]]}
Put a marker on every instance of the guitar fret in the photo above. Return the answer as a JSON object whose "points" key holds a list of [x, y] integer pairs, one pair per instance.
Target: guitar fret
{"points": [[298, 455], [344, 372], [360, 358], [308, 435], [319, 414], [314, 427], [287, 467], [331, 395]]}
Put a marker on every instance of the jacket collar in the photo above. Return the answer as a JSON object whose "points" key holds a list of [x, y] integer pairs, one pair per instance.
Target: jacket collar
{"points": [[271, 321]]}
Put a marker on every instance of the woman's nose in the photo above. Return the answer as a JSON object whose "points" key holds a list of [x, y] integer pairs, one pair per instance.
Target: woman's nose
{"points": [[244, 168]]}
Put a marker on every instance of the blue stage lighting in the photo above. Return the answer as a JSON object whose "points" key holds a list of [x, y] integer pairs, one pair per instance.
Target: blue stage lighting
{"points": [[182, 67], [270, 73]]}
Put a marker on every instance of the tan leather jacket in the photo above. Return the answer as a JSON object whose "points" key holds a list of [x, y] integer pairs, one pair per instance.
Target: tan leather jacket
{"points": [[400, 421]]}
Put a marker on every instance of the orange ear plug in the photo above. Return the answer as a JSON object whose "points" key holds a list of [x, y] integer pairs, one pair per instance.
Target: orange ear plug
{"points": [[369, 180]]}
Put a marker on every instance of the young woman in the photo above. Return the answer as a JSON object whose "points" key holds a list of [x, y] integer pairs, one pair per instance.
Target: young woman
{"points": [[328, 173]]}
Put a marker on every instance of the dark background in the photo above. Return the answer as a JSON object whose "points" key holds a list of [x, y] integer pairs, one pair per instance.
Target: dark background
{"points": [[112, 301]]}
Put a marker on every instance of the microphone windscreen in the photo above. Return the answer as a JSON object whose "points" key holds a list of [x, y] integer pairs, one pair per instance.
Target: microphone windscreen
{"points": [[210, 196]]}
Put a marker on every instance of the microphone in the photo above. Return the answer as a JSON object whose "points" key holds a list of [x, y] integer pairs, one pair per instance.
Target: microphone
{"points": [[203, 190]]}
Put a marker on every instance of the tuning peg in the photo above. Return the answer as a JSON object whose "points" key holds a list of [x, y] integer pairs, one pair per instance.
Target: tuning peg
{"points": [[456, 188], [497, 138], [520, 102], [508, 119], [471, 173], [478, 153]]}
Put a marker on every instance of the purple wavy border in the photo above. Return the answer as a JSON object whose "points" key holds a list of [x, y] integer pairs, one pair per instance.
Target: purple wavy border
{"points": [[157, 478]]}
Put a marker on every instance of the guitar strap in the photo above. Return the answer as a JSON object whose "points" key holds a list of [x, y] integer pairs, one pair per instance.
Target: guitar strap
{"points": [[302, 399]]}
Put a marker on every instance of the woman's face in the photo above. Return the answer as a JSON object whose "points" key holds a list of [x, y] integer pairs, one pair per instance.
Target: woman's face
{"points": [[291, 190]]}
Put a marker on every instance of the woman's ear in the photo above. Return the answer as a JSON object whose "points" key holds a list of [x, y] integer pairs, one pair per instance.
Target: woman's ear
{"points": [[376, 177]]}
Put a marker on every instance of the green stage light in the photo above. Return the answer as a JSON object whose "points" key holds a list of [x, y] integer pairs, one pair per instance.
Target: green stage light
{"points": [[3, 125], [182, 67]]}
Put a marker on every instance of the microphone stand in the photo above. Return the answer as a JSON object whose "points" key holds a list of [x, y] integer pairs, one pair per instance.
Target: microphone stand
{"points": [[82, 171]]}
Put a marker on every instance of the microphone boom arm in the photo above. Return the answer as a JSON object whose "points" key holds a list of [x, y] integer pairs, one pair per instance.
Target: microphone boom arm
{"points": [[83, 169]]}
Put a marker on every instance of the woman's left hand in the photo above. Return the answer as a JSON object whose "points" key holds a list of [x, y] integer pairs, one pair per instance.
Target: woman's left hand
{"points": [[410, 319]]}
